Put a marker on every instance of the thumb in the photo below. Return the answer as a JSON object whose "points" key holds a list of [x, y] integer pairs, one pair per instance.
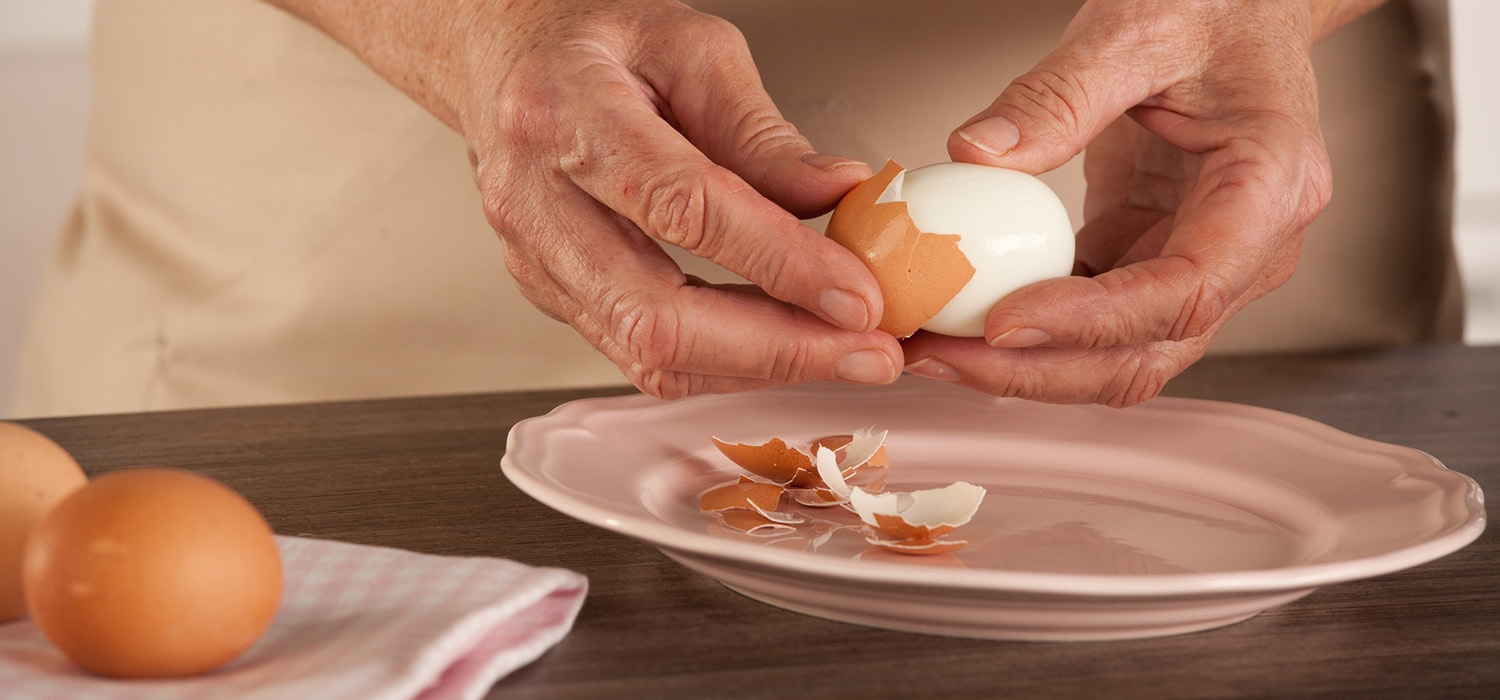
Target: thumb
{"points": [[1047, 116], [717, 100]]}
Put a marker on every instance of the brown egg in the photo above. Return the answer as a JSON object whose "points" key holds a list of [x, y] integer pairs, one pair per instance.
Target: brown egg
{"points": [[35, 473], [152, 573]]}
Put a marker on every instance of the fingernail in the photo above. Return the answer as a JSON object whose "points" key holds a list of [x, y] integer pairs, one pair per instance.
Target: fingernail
{"points": [[1021, 338], [824, 161], [995, 135], [933, 368], [845, 309], [867, 367]]}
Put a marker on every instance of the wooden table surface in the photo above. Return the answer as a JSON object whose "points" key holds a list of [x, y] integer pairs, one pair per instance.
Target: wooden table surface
{"points": [[423, 474]]}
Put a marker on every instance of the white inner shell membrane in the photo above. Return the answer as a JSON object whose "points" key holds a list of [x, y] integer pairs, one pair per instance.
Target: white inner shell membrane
{"points": [[1011, 225]]}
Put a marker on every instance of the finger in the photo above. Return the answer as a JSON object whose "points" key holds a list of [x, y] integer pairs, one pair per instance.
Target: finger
{"points": [[1234, 222], [672, 338], [716, 98], [1117, 376], [651, 175], [1048, 115]]}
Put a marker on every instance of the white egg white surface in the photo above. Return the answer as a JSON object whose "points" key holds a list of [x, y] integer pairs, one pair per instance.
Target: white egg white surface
{"points": [[1013, 228]]}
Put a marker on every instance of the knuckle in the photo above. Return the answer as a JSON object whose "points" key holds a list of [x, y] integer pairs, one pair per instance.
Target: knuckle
{"points": [[762, 133], [1319, 187], [790, 363], [720, 33], [501, 205], [1201, 311], [1057, 96], [651, 344], [648, 336], [663, 384], [1143, 377], [1020, 382], [677, 212]]}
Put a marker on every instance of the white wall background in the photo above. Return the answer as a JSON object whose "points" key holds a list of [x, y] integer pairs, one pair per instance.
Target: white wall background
{"points": [[44, 99], [1476, 54]]}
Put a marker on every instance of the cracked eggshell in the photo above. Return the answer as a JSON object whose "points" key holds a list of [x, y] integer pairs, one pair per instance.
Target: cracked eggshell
{"points": [[774, 459], [947, 241], [918, 272], [918, 515], [745, 493], [839, 443]]}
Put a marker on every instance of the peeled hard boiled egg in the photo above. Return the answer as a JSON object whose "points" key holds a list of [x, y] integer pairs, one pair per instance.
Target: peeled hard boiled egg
{"points": [[948, 241], [152, 573], [35, 473]]}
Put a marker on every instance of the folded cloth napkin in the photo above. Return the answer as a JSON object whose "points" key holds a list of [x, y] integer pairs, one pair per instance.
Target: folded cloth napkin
{"points": [[355, 622]]}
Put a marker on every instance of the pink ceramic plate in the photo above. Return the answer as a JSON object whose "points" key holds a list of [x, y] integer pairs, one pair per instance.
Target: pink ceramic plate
{"points": [[1174, 516]]}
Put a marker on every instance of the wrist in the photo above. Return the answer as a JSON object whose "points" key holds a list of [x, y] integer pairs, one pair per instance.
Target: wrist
{"points": [[419, 46]]}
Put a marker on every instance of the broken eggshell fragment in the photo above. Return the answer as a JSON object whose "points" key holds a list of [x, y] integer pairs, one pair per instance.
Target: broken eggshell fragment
{"points": [[746, 493], [774, 460], [779, 462], [918, 515], [910, 521], [918, 273], [947, 241], [840, 467]]}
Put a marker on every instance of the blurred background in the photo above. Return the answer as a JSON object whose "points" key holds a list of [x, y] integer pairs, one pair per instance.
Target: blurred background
{"points": [[44, 93]]}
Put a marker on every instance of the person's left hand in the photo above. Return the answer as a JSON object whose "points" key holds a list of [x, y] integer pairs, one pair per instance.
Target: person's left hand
{"points": [[1205, 165]]}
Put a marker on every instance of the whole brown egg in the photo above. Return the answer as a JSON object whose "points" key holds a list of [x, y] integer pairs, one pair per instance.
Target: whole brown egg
{"points": [[152, 573], [35, 474]]}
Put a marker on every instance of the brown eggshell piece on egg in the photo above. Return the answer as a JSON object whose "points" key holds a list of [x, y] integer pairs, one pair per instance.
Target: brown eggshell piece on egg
{"points": [[746, 493], [918, 272]]}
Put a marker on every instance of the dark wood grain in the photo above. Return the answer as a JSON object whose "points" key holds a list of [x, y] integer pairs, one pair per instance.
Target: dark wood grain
{"points": [[423, 474]]}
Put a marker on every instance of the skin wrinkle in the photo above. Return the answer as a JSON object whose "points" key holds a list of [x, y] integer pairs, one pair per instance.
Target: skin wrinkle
{"points": [[1146, 381], [1042, 88]]}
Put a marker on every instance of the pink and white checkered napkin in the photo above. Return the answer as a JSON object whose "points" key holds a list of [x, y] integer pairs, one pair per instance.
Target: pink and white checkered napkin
{"points": [[355, 622]]}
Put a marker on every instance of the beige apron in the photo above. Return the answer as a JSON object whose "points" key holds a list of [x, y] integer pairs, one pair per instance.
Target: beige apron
{"points": [[262, 219]]}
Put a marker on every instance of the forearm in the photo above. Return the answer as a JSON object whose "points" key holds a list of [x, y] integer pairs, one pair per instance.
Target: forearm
{"points": [[419, 46]]}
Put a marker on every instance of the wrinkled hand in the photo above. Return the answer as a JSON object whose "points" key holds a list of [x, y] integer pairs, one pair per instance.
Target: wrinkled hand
{"points": [[1205, 165], [596, 130]]}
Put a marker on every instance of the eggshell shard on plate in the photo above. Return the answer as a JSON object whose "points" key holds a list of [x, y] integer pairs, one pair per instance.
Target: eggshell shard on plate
{"points": [[35, 475], [774, 460], [746, 494], [918, 515], [947, 241], [753, 523], [789, 466], [921, 547], [908, 522], [912, 520]]}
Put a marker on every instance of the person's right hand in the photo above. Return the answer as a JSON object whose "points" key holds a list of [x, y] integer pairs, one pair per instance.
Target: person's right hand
{"points": [[598, 129]]}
